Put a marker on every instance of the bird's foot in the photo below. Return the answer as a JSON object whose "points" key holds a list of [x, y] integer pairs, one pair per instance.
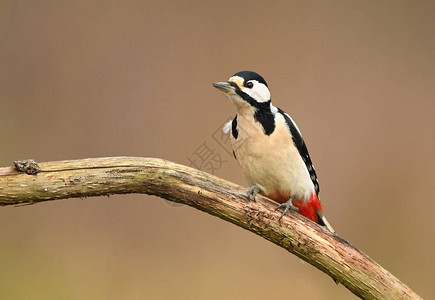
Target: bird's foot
{"points": [[287, 205], [253, 191]]}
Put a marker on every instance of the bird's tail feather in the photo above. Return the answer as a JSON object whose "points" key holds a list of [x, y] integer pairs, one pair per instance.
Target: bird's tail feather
{"points": [[324, 221]]}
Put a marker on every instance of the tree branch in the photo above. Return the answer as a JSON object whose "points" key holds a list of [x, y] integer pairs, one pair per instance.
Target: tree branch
{"points": [[226, 200]]}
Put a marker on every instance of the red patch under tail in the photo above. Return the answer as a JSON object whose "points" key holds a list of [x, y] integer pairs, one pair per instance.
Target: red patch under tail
{"points": [[309, 208]]}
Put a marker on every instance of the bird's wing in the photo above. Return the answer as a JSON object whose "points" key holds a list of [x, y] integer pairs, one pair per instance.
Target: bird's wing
{"points": [[302, 148], [232, 124]]}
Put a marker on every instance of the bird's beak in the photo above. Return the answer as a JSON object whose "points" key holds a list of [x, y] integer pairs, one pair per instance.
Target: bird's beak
{"points": [[225, 87]]}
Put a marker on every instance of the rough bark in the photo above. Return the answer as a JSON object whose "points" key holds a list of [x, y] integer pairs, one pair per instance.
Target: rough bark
{"points": [[121, 175]]}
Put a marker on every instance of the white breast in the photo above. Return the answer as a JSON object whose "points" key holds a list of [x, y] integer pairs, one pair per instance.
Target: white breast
{"points": [[271, 162]]}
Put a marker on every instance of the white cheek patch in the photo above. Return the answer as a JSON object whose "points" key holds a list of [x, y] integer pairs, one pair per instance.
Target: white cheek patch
{"points": [[259, 91]]}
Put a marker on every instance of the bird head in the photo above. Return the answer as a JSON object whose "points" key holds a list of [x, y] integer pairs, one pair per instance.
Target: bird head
{"points": [[245, 88]]}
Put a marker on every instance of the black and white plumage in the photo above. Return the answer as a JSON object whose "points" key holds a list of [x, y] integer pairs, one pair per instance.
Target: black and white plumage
{"points": [[269, 147], [302, 148]]}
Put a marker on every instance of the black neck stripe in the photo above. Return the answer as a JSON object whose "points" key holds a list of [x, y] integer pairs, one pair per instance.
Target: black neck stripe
{"points": [[263, 113]]}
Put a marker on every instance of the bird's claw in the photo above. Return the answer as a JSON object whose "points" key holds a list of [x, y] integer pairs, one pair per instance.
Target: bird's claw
{"points": [[287, 205], [252, 192]]}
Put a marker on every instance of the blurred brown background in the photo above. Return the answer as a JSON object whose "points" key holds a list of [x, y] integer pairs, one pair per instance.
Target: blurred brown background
{"points": [[85, 79]]}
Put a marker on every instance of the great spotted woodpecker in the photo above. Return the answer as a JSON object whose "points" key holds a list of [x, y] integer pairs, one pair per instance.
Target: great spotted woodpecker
{"points": [[270, 149]]}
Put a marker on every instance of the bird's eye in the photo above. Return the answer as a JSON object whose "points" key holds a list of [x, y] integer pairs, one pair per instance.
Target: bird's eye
{"points": [[250, 84]]}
